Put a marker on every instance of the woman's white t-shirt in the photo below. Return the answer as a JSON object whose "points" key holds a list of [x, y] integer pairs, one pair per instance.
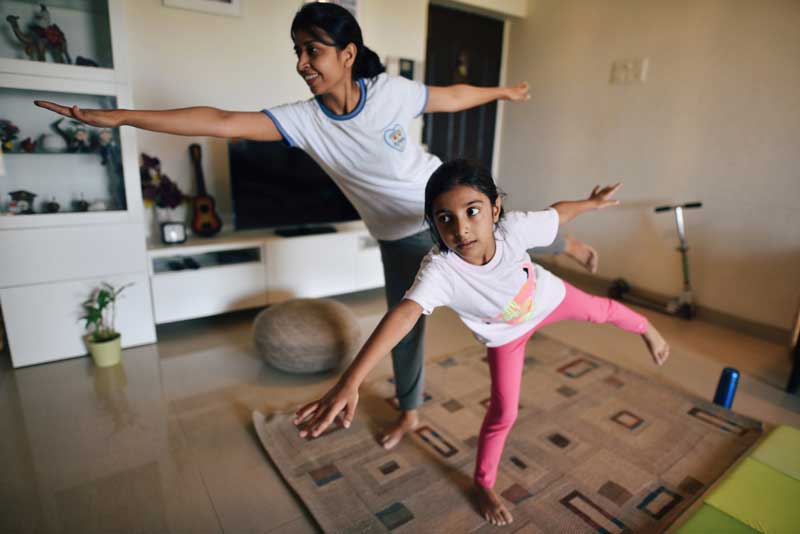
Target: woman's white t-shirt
{"points": [[505, 298], [367, 152]]}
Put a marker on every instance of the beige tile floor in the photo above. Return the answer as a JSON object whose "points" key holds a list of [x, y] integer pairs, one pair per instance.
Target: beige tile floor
{"points": [[163, 442]]}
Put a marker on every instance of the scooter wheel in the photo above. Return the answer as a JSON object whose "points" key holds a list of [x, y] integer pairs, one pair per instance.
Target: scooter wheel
{"points": [[618, 288], [686, 311]]}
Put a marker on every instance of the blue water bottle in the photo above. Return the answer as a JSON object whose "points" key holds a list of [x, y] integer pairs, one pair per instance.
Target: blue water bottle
{"points": [[726, 388]]}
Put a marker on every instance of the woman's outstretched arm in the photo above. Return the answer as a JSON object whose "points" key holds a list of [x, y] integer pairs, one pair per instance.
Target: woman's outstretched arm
{"points": [[194, 121], [459, 97]]}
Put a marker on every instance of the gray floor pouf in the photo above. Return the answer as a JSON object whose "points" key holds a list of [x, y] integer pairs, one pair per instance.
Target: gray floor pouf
{"points": [[307, 335]]}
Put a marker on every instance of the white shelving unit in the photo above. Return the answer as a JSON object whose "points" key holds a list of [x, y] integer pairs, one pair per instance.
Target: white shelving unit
{"points": [[52, 261], [252, 269]]}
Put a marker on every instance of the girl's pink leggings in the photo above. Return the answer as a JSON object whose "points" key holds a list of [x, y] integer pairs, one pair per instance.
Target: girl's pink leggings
{"points": [[506, 361]]}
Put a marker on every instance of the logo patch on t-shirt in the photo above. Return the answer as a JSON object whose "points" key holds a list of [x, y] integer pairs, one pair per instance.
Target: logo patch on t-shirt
{"points": [[395, 137], [520, 308]]}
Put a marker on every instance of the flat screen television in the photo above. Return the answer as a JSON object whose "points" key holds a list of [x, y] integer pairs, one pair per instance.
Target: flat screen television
{"points": [[275, 186]]}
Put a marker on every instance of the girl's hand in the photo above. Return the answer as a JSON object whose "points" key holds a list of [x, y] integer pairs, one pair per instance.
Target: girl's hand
{"points": [[316, 416], [602, 197], [518, 93], [104, 118]]}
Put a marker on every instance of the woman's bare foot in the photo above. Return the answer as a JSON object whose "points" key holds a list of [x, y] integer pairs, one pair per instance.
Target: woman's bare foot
{"points": [[656, 344], [406, 423], [492, 509], [581, 252]]}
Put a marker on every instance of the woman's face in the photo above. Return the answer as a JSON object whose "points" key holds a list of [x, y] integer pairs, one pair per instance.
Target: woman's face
{"points": [[322, 66], [465, 219]]}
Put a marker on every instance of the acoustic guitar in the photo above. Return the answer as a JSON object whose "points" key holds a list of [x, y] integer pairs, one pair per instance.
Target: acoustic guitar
{"points": [[205, 221]]}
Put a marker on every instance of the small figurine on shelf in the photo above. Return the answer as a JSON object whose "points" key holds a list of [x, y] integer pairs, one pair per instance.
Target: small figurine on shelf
{"points": [[8, 133], [76, 137], [52, 143], [42, 36], [80, 204], [32, 45], [112, 159], [108, 148], [21, 202], [52, 206], [98, 205], [85, 62], [28, 145]]}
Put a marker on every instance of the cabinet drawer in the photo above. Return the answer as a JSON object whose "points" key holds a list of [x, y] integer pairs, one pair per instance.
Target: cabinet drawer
{"points": [[311, 266], [42, 321], [188, 294], [72, 253], [369, 267]]}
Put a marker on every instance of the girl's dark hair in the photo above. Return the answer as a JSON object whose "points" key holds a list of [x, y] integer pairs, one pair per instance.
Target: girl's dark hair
{"points": [[343, 29], [449, 176]]}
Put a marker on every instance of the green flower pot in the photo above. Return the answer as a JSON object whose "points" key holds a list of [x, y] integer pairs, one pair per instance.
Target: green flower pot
{"points": [[105, 353]]}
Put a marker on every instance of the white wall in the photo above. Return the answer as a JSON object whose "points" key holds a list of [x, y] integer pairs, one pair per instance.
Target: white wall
{"points": [[717, 120], [181, 58]]}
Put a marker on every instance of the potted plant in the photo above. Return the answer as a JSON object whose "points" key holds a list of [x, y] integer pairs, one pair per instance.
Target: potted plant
{"points": [[100, 313]]}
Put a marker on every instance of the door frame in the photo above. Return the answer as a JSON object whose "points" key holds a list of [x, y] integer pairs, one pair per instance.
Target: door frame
{"points": [[501, 105]]}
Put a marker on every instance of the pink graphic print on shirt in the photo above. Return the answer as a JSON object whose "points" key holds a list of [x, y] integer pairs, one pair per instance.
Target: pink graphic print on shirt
{"points": [[520, 308]]}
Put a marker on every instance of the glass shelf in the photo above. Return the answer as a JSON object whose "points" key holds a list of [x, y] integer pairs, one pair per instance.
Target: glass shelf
{"points": [[83, 24], [82, 167]]}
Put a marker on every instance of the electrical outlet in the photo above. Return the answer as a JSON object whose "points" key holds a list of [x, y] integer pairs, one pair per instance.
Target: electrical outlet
{"points": [[619, 72], [626, 71], [638, 70]]}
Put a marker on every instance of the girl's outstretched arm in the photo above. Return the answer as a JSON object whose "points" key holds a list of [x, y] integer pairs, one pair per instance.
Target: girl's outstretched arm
{"points": [[316, 416], [459, 97], [599, 198], [195, 121]]}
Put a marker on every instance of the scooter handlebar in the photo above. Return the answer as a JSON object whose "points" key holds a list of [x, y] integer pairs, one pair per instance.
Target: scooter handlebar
{"points": [[688, 205]]}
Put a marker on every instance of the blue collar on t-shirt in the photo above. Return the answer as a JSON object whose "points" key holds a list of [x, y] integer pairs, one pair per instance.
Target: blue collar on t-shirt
{"points": [[362, 99]]}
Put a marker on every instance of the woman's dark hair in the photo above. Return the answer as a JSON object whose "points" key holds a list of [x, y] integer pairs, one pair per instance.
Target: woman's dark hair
{"points": [[343, 29], [449, 176]]}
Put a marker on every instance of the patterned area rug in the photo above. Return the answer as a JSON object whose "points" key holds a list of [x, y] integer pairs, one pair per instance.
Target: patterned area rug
{"points": [[595, 448]]}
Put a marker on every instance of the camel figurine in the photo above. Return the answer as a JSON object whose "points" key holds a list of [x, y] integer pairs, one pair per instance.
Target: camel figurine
{"points": [[33, 46], [43, 36]]}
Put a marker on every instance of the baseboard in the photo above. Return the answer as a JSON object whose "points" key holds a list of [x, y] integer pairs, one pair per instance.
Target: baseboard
{"points": [[599, 286]]}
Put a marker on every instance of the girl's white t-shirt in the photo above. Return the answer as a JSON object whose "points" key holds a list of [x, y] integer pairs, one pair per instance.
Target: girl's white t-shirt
{"points": [[505, 298], [367, 152]]}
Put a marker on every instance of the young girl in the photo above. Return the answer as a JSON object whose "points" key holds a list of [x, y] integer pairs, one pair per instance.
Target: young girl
{"points": [[481, 269], [354, 127]]}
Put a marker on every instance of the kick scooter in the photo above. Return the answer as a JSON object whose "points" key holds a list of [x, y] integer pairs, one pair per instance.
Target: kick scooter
{"points": [[681, 306]]}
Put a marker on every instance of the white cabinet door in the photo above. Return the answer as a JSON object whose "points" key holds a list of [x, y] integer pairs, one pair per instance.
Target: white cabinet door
{"points": [[189, 294], [369, 267], [71, 253], [42, 321], [310, 266]]}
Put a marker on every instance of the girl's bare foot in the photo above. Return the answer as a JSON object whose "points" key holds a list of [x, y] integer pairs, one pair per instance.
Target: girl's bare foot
{"points": [[656, 344], [406, 423], [492, 509], [581, 252]]}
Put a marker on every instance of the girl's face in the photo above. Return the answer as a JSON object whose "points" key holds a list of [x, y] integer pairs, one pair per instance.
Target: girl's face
{"points": [[465, 220], [322, 66]]}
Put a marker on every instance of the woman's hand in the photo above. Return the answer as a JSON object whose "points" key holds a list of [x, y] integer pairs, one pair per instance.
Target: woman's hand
{"points": [[518, 93], [601, 197], [104, 118], [315, 417]]}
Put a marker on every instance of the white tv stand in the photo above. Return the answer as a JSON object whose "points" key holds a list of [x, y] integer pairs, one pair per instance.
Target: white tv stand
{"points": [[250, 269]]}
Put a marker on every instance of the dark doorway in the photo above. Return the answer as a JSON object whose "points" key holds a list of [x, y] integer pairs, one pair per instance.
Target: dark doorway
{"points": [[462, 48]]}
